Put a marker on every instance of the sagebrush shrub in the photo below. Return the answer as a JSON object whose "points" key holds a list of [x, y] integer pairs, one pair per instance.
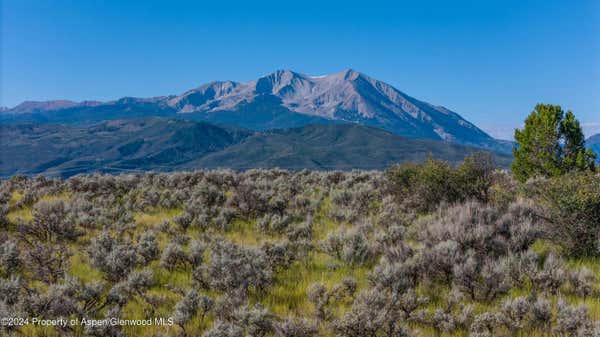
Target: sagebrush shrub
{"points": [[50, 223], [514, 313], [10, 289], [173, 256], [186, 308], [484, 280], [553, 274], [573, 320], [541, 313], [351, 246], [235, 268], [256, 320], [224, 329], [10, 257], [395, 277], [484, 325], [320, 297], [147, 247], [366, 317], [582, 281], [114, 258], [196, 252], [291, 327]]}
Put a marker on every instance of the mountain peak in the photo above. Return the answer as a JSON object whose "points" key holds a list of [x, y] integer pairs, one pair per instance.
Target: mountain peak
{"points": [[284, 73], [348, 74], [351, 72], [278, 80]]}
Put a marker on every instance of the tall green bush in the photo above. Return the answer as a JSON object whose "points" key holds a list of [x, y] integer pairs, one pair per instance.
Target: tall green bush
{"points": [[423, 186], [571, 210]]}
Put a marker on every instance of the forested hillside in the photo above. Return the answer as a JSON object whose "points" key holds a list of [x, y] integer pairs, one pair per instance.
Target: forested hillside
{"points": [[159, 144]]}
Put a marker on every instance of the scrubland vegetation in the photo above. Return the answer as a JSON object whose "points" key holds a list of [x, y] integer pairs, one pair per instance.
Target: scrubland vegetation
{"points": [[418, 250]]}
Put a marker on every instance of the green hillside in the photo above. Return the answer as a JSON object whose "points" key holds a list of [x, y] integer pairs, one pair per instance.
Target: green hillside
{"points": [[172, 144]]}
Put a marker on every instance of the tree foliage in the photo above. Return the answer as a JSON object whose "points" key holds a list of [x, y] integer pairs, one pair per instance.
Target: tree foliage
{"points": [[550, 144]]}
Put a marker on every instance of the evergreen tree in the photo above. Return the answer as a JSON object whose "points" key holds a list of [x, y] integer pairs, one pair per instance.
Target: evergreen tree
{"points": [[575, 155], [550, 144]]}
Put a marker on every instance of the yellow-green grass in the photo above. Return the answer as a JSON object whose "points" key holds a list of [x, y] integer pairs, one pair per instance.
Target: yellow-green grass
{"points": [[25, 213], [288, 294], [15, 197], [150, 220], [155, 217], [593, 302], [55, 197], [323, 226], [178, 277], [80, 267], [247, 233], [21, 214], [31, 330], [545, 247]]}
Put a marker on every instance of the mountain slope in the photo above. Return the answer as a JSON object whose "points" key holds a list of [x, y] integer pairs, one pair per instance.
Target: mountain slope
{"points": [[173, 144], [86, 112], [114, 146], [281, 99], [327, 147]]}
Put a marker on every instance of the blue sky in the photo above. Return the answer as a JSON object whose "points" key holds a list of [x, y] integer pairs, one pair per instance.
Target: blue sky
{"points": [[490, 61]]}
